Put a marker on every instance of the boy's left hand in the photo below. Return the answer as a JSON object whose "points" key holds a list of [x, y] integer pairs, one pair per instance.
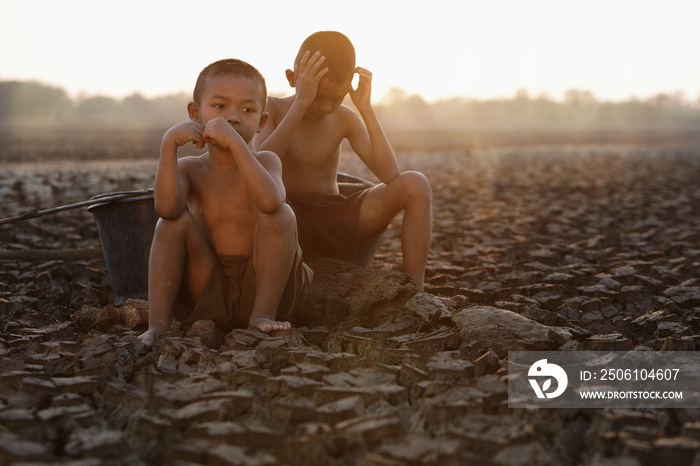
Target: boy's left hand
{"points": [[361, 95]]}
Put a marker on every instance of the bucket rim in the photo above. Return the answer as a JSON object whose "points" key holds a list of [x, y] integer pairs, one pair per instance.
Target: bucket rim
{"points": [[143, 197]]}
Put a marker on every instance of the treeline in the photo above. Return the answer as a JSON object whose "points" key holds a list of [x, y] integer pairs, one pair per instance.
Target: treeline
{"points": [[28, 101], [578, 109]]}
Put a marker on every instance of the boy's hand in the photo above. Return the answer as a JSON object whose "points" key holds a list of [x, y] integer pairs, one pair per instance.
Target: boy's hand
{"points": [[187, 131], [361, 96], [220, 133], [307, 76]]}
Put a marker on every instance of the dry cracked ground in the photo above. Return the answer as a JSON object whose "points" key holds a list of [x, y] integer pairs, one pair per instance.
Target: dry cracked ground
{"points": [[599, 242]]}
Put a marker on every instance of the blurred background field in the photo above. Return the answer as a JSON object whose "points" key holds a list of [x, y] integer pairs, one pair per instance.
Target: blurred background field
{"points": [[40, 122]]}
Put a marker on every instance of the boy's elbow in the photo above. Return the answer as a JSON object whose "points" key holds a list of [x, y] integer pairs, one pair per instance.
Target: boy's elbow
{"points": [[168, 212], [167, 215], [272, 201], [271, 207]]}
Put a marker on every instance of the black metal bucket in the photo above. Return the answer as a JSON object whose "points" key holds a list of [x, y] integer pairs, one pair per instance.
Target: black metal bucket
{"points": [[126, 229]]}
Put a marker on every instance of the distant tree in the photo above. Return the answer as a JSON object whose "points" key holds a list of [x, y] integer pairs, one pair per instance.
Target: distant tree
{"points": [[98, 108], [578, 97], [32, 99], [456, 111], [136, 109], [171, 109], [406, 108]]}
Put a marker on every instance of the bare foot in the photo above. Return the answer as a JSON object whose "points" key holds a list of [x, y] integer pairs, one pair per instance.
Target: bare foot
{"points": [[148, 338], [268, 325]]}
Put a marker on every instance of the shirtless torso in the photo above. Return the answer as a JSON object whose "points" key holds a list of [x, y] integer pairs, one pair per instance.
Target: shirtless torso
{"points": [[310, 162], [220, 202]]}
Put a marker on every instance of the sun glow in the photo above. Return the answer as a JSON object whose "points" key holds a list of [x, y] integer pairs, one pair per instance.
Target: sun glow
{"points": [[475, 49]]}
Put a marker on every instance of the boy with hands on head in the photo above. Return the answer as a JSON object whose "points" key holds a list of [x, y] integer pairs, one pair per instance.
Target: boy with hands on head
{"points": [[306, 131], [225, 247]]}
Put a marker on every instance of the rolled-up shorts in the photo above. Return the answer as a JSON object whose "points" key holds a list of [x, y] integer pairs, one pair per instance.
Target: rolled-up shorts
{"points": [[229, 295], [327, 223]]}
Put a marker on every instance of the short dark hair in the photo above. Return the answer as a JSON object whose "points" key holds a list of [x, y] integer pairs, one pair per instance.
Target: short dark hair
{"points": [[338, 50], [228, 66]]}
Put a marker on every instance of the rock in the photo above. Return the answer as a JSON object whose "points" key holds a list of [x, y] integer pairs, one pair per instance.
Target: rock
{"points": [[426, 307], [545, 317], [230, 455], [292, 409], [418, 449], [340, 410], [291, 384], [207, 332], [443, 339], [525, 455], [608, 342], [445, 367], [225, 432], [102, 320], [97, 443], [487, 363], [504, 331], [373, 429], [15, 449], [409, 375], [136, 313], [206, 410], [342, 291], [684, 295], [680, 450], [675, 343]]}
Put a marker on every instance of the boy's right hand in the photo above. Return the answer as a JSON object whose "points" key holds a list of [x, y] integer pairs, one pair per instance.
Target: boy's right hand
{"points": [[307, 76], [187, 131]]}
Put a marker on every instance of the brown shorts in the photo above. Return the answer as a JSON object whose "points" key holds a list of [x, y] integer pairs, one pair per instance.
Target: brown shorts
{"points": [[229, 295], [327, 223]]}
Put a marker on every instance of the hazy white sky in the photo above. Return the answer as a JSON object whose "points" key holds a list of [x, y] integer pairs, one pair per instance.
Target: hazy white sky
{"points": [[436, 48]]}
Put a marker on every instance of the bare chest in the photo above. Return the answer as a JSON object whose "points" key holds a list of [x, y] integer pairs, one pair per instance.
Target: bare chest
{"points": [[316, 144], [220, 199]]}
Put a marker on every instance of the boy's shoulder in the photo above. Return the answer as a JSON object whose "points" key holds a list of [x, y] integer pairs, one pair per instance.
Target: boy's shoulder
{"points": [[278, 104], [193, 162]]}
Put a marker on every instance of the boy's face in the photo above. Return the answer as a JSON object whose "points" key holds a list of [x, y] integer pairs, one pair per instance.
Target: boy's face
{"points": [[237, 99], [329, 97]]}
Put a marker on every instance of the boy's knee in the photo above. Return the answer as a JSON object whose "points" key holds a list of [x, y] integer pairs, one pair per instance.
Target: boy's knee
{"points": [[282, 221], [416, 185], [176, 226]]}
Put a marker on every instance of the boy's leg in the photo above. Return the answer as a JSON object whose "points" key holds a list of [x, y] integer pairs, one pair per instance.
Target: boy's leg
{"points": [[410, 192], [273, 257], [179, 264]]}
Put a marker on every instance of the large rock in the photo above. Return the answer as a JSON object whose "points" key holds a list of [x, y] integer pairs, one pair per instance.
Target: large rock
{"points": [[345, 292], [503, 331]]}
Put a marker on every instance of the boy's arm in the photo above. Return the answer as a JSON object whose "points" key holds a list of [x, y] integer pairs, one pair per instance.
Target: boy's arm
{"points": [[276, 138], [172, 182], [369, 141], [264, 182]]}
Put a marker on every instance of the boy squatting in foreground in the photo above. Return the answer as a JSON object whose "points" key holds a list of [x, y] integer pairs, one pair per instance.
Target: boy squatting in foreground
{"points": [[306, 131], [225, 247]]}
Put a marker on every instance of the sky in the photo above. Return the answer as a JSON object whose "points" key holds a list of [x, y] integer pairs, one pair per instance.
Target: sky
{"points": [[438, 49]]}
